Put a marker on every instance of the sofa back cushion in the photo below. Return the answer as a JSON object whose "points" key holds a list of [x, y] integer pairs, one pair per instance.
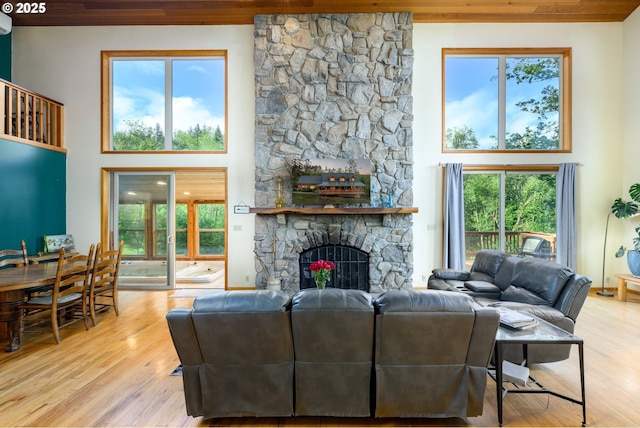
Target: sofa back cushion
{"points": [[247, 351], [537, 282], [487, 262], [432, 348], [333, 342], [505, 273]]}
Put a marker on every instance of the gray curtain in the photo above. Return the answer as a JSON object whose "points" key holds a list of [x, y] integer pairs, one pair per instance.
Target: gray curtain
{"points": [[566, 227], [453, 217]]}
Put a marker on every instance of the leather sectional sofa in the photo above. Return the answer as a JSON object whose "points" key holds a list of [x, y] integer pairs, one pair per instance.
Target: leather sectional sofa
{"points": [[333, 352], [545, 289]]}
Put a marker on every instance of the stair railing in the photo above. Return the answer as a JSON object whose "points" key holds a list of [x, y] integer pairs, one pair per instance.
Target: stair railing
{"points": [[30, 118]]}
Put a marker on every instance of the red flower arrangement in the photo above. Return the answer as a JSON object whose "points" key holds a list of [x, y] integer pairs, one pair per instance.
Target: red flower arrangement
{"points": [[321, 272]]}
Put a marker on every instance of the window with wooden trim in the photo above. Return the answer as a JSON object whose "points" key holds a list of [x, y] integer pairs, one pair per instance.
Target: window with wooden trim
{"points": [[200, 230], [164, 101], [506, 100]]}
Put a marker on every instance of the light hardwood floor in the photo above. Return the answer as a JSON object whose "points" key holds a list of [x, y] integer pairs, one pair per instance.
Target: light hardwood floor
{"points": [[117, 375]]}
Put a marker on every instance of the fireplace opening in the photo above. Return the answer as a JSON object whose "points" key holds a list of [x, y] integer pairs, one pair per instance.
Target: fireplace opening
{"points": [[351, 272]]}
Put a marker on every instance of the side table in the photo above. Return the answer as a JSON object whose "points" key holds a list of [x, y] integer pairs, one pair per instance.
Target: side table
{"points": [[544, 333]]}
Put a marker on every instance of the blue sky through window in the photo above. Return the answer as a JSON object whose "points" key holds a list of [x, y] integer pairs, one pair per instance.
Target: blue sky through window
{"points": [[471, 99], [198, 92]]}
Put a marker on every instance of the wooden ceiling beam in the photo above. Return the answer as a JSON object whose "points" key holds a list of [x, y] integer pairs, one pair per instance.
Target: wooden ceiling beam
{"points": [[223, 12]]}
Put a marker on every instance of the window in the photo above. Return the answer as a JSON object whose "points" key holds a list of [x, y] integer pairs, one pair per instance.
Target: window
{"points": [[510, 210], [507, 100], [207, 238], [164, 101], [131, 228], [211, 226]]}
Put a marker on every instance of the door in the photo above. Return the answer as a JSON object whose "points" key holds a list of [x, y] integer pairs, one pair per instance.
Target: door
{"points": [[142, 214]]}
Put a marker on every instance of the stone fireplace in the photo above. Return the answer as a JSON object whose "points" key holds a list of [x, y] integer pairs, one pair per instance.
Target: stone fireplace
{"points": [[334, 86]]}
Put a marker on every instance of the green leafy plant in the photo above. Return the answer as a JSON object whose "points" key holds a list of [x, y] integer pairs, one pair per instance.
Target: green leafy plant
{"points": [[625, 209]]}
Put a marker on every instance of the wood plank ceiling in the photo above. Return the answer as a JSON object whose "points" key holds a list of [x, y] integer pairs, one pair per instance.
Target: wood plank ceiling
{"points": [[220, 12]]}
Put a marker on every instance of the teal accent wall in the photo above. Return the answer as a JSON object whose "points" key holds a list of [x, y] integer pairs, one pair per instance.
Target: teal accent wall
{"points": [[32, 195], [5, 57]]}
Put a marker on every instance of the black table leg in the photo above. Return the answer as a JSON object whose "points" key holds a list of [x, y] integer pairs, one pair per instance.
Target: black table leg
{"points": [[498, 363], [584, 402]]}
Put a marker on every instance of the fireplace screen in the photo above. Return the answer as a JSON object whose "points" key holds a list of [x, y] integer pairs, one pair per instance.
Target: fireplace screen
{"points": [[351, 272]]}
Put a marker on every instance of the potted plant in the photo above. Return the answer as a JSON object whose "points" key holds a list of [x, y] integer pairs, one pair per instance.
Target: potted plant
{"points": [[625, 209]]}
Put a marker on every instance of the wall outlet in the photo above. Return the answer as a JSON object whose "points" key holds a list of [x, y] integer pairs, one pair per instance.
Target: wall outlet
{"points": [[246, 278], [424, 277]]}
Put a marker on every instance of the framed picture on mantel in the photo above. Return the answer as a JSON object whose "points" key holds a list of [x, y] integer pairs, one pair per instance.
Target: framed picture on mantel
{"points": [[330, 181]]}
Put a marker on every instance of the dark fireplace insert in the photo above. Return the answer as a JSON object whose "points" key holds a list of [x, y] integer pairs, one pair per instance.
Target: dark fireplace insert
{"points": [[351, 272]]}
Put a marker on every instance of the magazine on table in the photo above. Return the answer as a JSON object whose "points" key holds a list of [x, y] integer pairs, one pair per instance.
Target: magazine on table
{"points": [[516, 320]]}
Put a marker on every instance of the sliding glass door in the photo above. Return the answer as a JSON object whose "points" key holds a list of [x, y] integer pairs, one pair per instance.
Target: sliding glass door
{"points": [[513, 211], [142, 214]]}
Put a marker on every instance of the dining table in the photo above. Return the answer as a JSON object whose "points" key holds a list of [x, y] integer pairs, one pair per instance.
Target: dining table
{"points": [[14, 282]]}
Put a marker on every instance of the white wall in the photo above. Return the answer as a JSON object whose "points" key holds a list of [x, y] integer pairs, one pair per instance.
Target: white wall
{"points": [[631, 121], [64, 64], [597, 70]]}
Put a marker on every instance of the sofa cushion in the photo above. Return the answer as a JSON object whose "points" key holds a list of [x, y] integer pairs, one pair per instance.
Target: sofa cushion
{"points": [[537, 282], [488, 262], [546, 313], [522, 295], [242, 301], [505, 273], [423, 301], [444, 273]]}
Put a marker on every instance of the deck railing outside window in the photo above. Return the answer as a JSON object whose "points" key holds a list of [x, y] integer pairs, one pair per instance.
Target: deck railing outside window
{"points": [[29, 117], [514, 242]]}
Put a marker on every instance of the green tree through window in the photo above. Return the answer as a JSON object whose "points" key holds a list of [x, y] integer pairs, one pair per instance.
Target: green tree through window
{"points": [[501, 208]]}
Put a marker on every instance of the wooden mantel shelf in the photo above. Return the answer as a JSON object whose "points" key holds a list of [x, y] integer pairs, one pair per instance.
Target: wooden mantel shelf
{"points": [[334, 211]]}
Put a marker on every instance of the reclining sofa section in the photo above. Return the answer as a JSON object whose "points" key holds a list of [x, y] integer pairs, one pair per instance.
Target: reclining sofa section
{"points": [[545, 289], [334, 352]]}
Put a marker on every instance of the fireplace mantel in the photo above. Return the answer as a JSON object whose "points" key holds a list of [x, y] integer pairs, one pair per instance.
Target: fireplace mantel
{"points": [[333, 211]]}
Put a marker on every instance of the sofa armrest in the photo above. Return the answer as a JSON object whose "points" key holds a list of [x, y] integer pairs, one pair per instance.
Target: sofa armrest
{"points": [[483, 337], [573, 296], [445, 273], [186, 345], [184, 336]]}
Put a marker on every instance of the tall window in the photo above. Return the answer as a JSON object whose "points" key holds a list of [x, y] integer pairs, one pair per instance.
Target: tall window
{"points": [[156, 101], [507, 99], [510, 210], [211, 226]]}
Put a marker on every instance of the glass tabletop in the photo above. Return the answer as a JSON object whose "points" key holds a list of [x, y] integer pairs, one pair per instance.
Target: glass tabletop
{"points": [[544, 332]]}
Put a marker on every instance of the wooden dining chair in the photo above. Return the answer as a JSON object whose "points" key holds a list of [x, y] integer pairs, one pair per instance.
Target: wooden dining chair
{"points": [[69, 295], [103, 291], [14, 257]]}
